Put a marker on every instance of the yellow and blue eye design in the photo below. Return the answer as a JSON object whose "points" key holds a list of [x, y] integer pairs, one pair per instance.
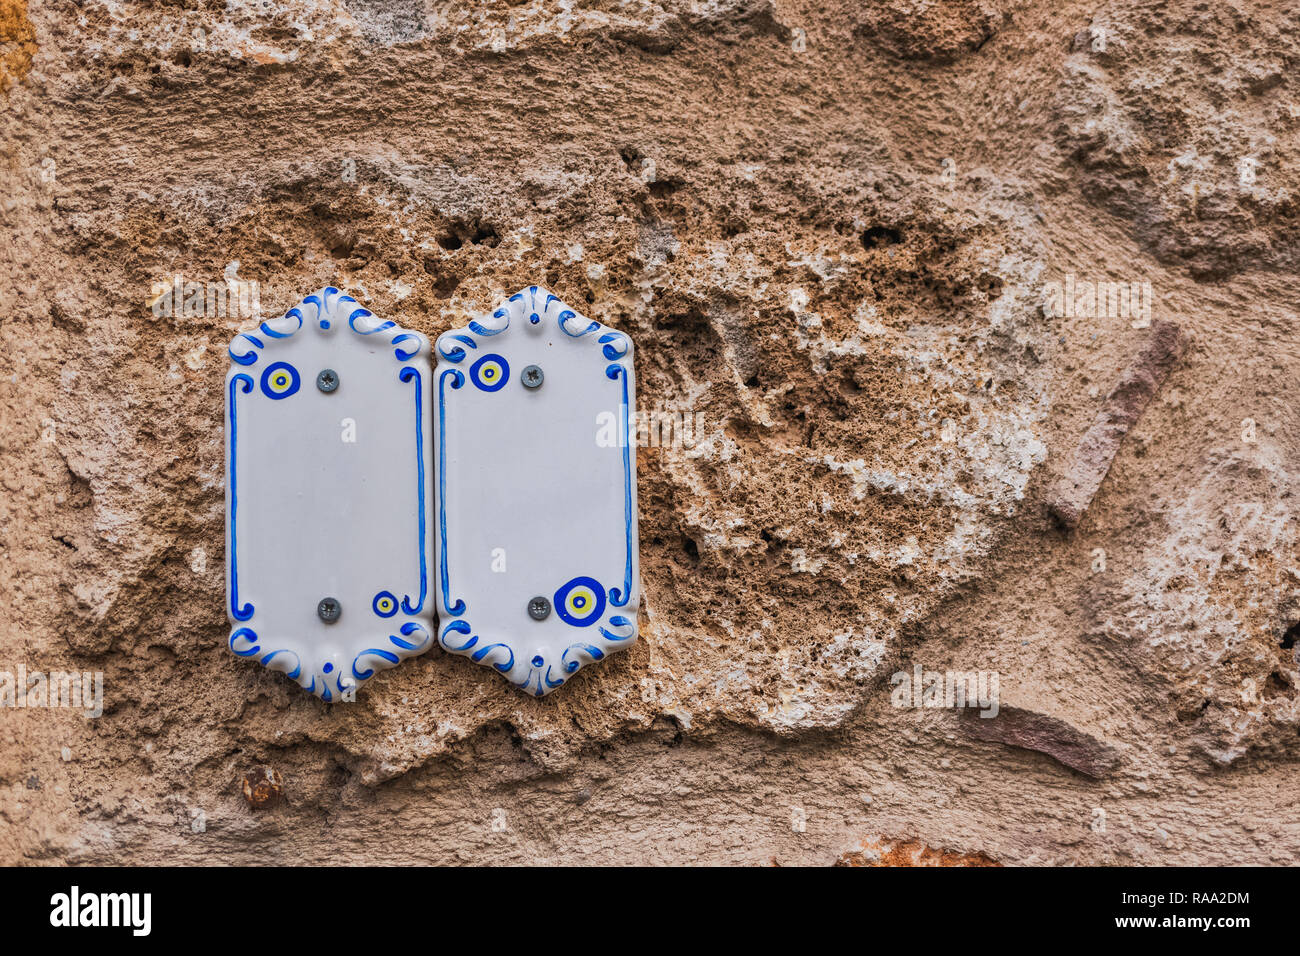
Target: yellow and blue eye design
{"points": [[490, 372], [581, 602], [280, 380], [385, 604]]}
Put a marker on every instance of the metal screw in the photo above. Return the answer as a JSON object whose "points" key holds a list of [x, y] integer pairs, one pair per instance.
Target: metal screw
{"points": [[329, 610], [327, 380], [532, 377], [539, 609]]}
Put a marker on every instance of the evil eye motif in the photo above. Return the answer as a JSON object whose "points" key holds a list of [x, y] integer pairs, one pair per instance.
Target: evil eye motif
{"points": [[490, 372], [581, 602], [385, 604], [280, 380]]}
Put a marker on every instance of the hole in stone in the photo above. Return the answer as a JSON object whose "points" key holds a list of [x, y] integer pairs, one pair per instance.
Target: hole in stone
{"points": [[990, 285], [485, 234], [878, 236], [450, 241], [1288, 639], [663, 188], [444, 283], [691, 548], [631, 157], [734, 227], [341, 241]]}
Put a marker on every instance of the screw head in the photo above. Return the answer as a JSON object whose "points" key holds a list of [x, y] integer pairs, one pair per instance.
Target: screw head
{"points": [[329, 609], [539, 608], [327, 380], [532, 376]]}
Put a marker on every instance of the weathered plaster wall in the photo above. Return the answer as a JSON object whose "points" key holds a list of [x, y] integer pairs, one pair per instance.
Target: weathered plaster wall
{"points": [[831, 231]]}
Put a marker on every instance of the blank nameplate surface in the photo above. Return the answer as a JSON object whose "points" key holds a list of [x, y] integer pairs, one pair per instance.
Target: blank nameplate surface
{"points": [[535, 499], [329, 544]]}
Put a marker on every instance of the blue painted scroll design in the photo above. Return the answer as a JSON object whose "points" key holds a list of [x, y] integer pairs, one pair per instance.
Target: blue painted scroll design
{"points": [[533, 308], [499, 655], [455, 353], [243, 641], [247, 343], [499, 322], [325, 310], [243, 347], [416, 639], [579, 330], [405, 355], [584, 652], [541, 675]]}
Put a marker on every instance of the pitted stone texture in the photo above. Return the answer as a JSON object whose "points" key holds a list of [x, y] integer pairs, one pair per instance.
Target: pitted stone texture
{"points": [[1216, 602], [177, 39], [1179, 124]]}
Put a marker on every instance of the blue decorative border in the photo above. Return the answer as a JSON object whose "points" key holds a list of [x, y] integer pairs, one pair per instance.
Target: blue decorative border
{"points": [[532, 308], [238, 612], [407, 374], [326, 310], [329, 305], [457, 380], [330, 682], [616, 597]]}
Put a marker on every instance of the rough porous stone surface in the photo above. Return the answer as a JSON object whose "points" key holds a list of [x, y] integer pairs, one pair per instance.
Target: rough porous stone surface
{"points": [[829, 229]]}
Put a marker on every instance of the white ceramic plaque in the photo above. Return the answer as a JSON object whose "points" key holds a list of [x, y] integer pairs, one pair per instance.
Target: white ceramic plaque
{"points": [[536, 521], [328, 469]]}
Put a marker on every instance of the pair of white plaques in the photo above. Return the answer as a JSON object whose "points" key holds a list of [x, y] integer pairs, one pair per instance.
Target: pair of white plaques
{"points": [[370, 480]]}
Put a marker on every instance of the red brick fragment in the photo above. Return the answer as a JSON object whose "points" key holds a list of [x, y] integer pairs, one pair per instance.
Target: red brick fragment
{"points": [[1124, 406], [1048, 735]]}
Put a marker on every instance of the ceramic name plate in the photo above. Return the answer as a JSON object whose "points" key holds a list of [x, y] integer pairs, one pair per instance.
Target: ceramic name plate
{"points": [[329, 545], [536, 520]]}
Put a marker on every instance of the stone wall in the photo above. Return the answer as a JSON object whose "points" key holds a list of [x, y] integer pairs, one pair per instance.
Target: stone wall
{"points": [[875, 250]]}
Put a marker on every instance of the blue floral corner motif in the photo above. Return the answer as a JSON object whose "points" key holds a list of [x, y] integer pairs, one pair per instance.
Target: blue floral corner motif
{"points": [[253, 378]]}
